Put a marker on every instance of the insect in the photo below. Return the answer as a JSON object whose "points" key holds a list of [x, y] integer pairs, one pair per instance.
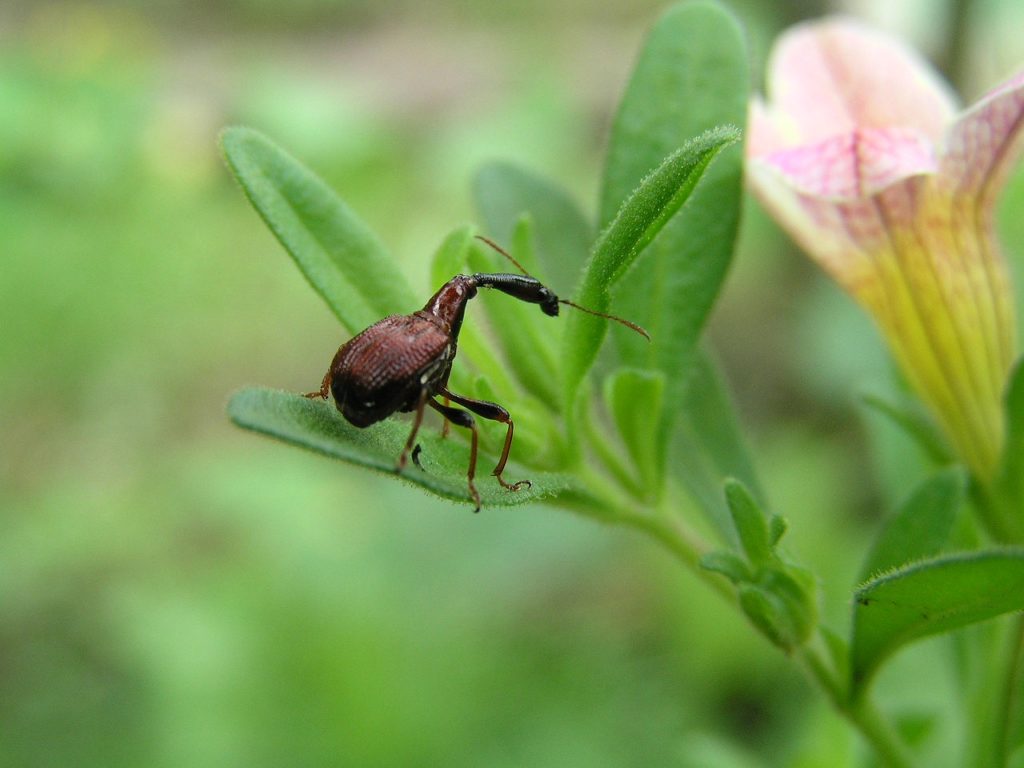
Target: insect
{"points": [[402, 363]]}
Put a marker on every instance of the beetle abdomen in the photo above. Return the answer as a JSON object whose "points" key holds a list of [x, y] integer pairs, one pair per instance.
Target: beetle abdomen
{"points": [[386, 368]]}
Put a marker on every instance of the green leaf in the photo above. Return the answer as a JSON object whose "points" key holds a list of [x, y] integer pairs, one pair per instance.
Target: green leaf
{"points": [[780, 606], [641, 217], [707, 446], [317, 425], [930, 597], [450, 257], [915, 422], [692, 75], [921, 527], [336, 251], [504, 192], [709, 416], [634, 399], [777, 527], [730, 565], [750, 522]]}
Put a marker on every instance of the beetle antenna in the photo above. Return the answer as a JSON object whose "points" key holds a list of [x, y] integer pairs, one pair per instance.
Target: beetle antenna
{"points": [[627, 323], [503, 252]]}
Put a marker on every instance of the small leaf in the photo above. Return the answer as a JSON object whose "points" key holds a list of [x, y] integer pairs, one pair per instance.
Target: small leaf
{"points": [[504, 192], [777, 527], [634, 399], [922, 525], [639, 220], [930, 597], [728, 564], [782, 604], [796, 587], [336, 251], [317, 425], [770, 614], [750, 522]]}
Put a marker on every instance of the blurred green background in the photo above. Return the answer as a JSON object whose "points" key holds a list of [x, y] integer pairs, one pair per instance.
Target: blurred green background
{"points": [[176, 592]]}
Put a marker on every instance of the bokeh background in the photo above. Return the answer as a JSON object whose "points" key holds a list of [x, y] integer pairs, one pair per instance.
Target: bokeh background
{"points": [[176, 592]]}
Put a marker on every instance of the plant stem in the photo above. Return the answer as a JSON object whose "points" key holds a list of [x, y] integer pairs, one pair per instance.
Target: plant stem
{"points": [[683, 544], [1009, 678], [1014, 687], [862, 713], [865, 715]]}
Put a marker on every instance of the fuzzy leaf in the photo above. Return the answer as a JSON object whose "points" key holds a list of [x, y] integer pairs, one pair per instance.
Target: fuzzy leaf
{"points": [[504, 192], [336, 251], [639, 220], [930, 597], [750, 522], [692, 75], [316, 425], [922, 525]]}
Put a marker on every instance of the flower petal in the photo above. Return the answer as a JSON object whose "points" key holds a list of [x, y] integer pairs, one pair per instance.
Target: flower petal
{"points": [[855, 165], [836, 75], [982, 145]]}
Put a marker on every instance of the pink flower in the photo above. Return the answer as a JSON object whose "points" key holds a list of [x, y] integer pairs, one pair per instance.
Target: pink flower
{"points": [[861, 157]]}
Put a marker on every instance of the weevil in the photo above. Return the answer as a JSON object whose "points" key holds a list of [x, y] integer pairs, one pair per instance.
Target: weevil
{"points": [[401, 364]]}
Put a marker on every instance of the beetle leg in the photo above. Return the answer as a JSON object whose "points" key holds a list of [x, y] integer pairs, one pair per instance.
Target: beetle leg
{"points": [[494, 412], [417, 420], [463, 419], [325, 386], [444, 423]]}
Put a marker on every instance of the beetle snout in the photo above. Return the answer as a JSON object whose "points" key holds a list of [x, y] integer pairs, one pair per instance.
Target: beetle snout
{"points": [[548, 303]]}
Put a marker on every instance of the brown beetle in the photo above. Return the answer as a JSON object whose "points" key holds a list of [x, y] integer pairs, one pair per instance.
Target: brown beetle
{"points": [[401, 363]]}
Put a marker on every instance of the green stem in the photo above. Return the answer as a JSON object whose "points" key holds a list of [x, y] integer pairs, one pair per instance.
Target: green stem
{"points": [[862, 713], [684, 545], [1010, 684], [865, 715]]}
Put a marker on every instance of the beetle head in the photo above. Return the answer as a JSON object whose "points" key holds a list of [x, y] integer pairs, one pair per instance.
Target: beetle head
{"points": [[548, 302]]}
